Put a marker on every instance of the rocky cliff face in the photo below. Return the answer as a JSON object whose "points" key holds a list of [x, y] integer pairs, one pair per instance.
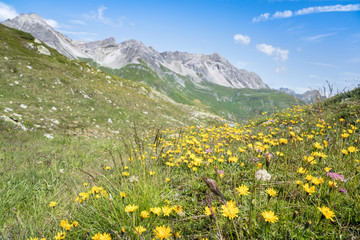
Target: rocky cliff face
{"points": [[197, 67]]}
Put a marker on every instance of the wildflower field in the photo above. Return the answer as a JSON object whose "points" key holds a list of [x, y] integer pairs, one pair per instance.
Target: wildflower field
{"points": [[291, 174]]}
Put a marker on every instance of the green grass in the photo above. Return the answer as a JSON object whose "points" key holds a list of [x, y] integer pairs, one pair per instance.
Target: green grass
{"points": [[36, 170], [233, 104]]}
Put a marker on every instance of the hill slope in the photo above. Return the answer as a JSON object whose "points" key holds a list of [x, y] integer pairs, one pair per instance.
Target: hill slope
{"points": [[44, 90]]}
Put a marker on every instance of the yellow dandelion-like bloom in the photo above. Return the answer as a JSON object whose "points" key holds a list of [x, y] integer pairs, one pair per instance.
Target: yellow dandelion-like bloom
{"points": [[243, 190], [107, 168], [272, 192], [52, 204], [178, 209], [327, 169], [131, 208], [99, 236], [65, 224], [344, 151], [352, 149], [60, 235], [230, 210], [162, 232], [332, 184], [167, 179], [317, 181], [345, 135], [269, 216], [207, 210], [167, 210], [144, 214], [318, 145], [327, 213], [152, 173], [309, 190], [302, 170], [139, 230], [123, 194], [125, 174], [308, 177], [156, 210], [75, 223]]}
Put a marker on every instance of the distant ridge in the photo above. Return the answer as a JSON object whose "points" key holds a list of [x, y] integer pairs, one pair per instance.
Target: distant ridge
{"points": [[197, 67]]}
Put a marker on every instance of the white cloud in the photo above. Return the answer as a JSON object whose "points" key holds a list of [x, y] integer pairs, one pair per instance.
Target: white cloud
{"points": [[100, 16], [267, 49], [306, 11], [262, 17], [331, 8], [243, 39], [278, 53], [280, 70], [318, 38], [52, 23], [284, 14], [7, 12]]}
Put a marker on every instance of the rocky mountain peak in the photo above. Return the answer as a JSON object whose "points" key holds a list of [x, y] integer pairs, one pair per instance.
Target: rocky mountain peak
{"points": [[197, 67]]}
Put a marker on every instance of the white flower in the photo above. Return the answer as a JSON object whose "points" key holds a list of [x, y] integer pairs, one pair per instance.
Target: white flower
{"points": [[262, 175]]}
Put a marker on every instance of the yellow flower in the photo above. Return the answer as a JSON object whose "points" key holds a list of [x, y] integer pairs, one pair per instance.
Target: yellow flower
{"points": [[208, 211], [332, 184], [139, 230], [52, 204], [344, 151], [167, 179], [317, 181], [167, 210], [177, 209], [162, 232], [269, 216], [327, 169], [259, 165], [131, 208], [107, 168], [100, 236], [302, 170], [352, 149], [230, 210], [60, 235], [152, 173], [308, 177], [65, 225], [122, 194], [125, 174], [243, 190], [272, 192], [327, 213], [156, 210], [309, 190], [85, 184], [144, 214], [345, 135]]}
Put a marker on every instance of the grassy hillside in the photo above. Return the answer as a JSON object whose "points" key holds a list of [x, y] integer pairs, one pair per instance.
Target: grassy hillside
{"points": [[291, 174], [233, 104], [53, 93]]}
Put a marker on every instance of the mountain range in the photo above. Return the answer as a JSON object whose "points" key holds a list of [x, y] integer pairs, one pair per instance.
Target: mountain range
{"points": [[198, 67], [206, 81]]}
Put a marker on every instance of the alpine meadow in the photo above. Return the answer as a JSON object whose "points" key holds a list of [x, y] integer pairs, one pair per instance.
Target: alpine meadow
{"points": [[105, 140]]}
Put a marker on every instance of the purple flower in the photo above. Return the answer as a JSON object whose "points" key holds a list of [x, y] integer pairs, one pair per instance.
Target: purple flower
{"points": [[220, 171], [342, 190], [336, 176], [208, 150]]}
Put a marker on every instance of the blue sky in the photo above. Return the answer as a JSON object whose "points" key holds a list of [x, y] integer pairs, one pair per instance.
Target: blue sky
{"points": [[294, 44]]}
